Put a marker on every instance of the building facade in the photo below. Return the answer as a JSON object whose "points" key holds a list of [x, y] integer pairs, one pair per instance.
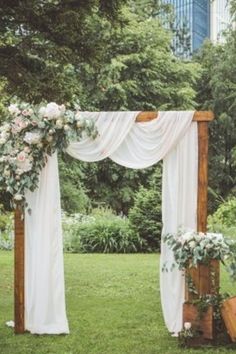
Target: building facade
{"points": [[201, 18], [220, 19]]}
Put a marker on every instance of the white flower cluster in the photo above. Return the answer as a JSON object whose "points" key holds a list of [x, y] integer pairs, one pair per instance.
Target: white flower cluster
{"points": [[209, 240], [4, 133], [191, 247], [32, 134], [52, 111]]}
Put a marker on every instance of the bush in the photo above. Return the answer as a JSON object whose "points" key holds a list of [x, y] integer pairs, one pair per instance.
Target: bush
{"points": [[73, 193], [71, 225], [224, 219], [6, 231], [145, 216], [101, 232]]}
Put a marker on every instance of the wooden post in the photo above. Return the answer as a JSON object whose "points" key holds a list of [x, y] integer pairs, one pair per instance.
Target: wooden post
{"points": [[19, 276], [202, 176], [205, 278]]}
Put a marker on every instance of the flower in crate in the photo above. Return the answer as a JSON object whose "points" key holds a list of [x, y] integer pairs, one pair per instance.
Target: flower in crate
{"points": [[190, 248]]}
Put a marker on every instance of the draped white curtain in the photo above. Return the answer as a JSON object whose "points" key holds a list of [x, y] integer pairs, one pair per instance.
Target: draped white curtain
{"points": [[173, 138]]}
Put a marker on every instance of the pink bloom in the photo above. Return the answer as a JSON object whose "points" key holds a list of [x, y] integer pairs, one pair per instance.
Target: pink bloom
{"points": [[21, 157]]}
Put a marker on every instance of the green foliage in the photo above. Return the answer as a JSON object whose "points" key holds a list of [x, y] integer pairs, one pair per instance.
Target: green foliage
{"points": [[145, 216], [110, 184], [224, 218], [138, 70], [113, 306], [73, 192], [39, 41], [217, 91], [6, 230], [101, 232]]}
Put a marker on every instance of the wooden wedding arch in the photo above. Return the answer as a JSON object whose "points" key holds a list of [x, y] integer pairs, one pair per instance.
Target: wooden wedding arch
{"points": [[202, 279]]}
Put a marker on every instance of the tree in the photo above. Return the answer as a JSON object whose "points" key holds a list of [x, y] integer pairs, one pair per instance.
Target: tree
{"points": [[40, 41], [145, 216], [138, 70], [217, 91]]}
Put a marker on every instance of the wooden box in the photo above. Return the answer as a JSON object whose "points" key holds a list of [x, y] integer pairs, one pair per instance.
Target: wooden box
{"points": [[204, 323], [205, 278], [228, 312]]}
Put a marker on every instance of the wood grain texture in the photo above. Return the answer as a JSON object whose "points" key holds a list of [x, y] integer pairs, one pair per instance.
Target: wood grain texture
{"points": [[200, 116], [202, 176], [205, 323], [228, 312], [205, 279], [19, 276]]}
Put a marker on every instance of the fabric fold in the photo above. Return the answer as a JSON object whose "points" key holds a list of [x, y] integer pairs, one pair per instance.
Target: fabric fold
{"points": [[45, 311]]}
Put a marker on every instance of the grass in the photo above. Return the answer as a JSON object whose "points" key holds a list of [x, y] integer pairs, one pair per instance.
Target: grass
{"points": [[113, 307]]}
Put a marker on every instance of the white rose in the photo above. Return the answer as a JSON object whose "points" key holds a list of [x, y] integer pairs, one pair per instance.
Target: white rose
{"points": [[187, 325], [79, 124], [62, 108], [77, 115], [52, 111], [18, 197], [5, 128], [27, 149], [59, 123], [187, 235], [2, 141], [192, 244], [32, 138], [19, 171], [66, 127], [42, 111], [49, 138], [13, 109], [6, 172]]}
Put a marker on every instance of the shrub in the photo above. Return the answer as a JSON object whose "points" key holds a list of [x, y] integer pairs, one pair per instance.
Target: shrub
{"points": [[101, 232], [71, 225], [224, 219], [6, 231], [145, 216]]}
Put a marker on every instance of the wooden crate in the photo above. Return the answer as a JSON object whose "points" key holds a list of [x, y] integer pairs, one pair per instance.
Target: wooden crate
{"points": [[228, 312], [203, 280], [205, 324]]}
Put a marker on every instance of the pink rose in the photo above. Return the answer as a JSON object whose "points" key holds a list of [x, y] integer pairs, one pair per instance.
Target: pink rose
{"points": [[21, 157]]}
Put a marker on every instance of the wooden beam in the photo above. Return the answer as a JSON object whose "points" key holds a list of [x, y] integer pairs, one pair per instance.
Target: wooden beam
{"points": [[200, 116], [204, 277], [19, 274], [202, 176]]}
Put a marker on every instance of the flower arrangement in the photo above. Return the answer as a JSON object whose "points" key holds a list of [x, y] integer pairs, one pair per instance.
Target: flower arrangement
{"points": [[190, 248], [30, 134]]}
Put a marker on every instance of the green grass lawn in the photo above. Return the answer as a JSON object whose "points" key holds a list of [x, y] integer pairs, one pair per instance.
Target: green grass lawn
{"points": [[113, 306]]}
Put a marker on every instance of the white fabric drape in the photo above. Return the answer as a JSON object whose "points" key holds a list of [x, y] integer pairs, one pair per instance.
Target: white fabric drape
{"points": [[44, 270], [172, 137], [179, 208]]}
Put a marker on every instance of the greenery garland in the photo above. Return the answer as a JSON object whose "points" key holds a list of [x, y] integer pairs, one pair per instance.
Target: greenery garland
{"points": [[30, 135]]}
